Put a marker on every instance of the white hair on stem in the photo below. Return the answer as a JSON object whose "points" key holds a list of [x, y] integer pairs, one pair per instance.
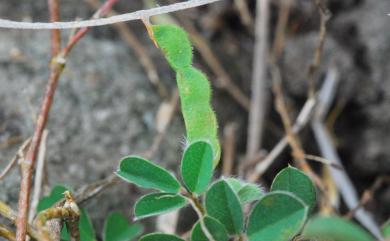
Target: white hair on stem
{"points": [[141, 14]]}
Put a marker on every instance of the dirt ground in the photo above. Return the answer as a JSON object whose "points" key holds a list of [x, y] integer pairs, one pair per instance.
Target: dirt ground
{"points": [[105, 105]]}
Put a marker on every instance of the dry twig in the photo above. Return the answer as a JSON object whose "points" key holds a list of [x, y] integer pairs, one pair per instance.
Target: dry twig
{"points": [[244, 14], [298, 152], [11, 215], [54, 12], [345, 185], [258, 98], [137, 15], [324, 18], [39, 176], [6, 233], [301, 121], [229, 148], [14, 160], [368, 195], [27, 164]]}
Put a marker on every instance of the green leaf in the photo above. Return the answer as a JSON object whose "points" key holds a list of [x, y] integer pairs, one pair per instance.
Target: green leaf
{"points": [[278, 216], [215, 228], [293, 180], [197, 166], [87, 232], [335, 229], [250, 192], [158, 203], [235, 183], [118, 228], [386, 229], [199, 117], [160, 237], [56, 194], [246, 192], [174, 42], [194, 88], [223, 204], [147, 174]]}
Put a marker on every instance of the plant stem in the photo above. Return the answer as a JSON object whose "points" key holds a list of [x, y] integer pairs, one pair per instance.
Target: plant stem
{"points": [[11, 215], [54, 11], [6, 233], [137, 15], [199, 209], [105, 8], [27, 164], [56, 68], [258, 98]]}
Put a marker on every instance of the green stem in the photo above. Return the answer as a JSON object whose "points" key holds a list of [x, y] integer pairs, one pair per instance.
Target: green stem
{"points": [[199, 209]]}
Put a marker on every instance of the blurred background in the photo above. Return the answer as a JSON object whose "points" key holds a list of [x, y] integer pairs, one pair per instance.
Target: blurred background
{"points": [[116, 94]]}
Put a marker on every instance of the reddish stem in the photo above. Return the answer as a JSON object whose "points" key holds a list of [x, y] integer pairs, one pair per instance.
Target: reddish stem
{"points": [[54, 10], [27, 164], [58, 63], [104, 9]]}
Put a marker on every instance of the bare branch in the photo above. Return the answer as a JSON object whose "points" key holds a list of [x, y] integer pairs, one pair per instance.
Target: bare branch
{"points": [[39, 176], [345, 185], [27, 164], [54, 11], [258, 98], [324, 18], [13, 161], [141, 14], [6, 233]]}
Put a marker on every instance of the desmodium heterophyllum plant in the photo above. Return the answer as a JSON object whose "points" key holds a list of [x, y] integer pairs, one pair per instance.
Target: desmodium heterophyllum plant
{"points": [[279, 215], [227, 208]]}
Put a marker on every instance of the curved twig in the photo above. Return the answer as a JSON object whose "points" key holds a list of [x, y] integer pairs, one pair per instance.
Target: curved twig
{"points": [[141, 14]]}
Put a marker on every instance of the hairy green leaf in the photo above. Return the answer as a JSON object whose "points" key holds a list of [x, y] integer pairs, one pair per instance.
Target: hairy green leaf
{"points": [[158, 203], [246, 192], [223, 204], [215, 228], [160, 237], [197, 166], [335, 229], [199, 117], [146, 174], [278, 216], [194, 88], [293, 180], [118, 228], [249, 193], [235, 183], [174, 42]]}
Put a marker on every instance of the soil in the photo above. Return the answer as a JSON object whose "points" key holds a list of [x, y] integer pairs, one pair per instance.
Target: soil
{"points": [[105, 106]]}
